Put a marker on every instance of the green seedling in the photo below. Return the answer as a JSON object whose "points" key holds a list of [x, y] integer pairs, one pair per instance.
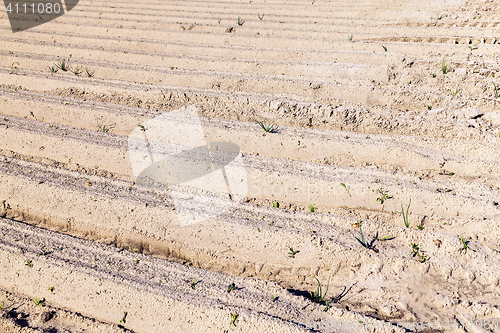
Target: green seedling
{"points": [[219, 20], [273, 298], [350, 38], [123, 318], [465, 246], [444, 65], [472, 48], [275, 204], [440, 17], [415, 252], [194, 283], [362, 240], [240, 21], [28, 263], [106, 128], [63, 65], [405, 215], [497, 93], [385, 48], [260, 17], [271, 223], [383, 239], [13, 67], [76, 70], [414, 249], [318, 296], [266, 127], [51, 289], [142, 128], [234, 316], [292, 253], [312, 208], [455, 92], [39, 302], [231, 287], [1, 305], [383, 195], [364, 243], [89, 72], [52, 69], [344, 186]]}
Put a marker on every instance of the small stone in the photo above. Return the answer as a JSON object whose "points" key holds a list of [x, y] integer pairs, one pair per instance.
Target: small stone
{"points": [[469, 113], [493, 118], [436, 111]]}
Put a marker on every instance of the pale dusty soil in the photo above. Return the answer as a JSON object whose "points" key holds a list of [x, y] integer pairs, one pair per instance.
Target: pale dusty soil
{"points": [[354, 116]]}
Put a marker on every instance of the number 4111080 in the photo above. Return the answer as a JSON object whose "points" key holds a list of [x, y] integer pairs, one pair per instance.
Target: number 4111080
{"points": [[41, 8]]}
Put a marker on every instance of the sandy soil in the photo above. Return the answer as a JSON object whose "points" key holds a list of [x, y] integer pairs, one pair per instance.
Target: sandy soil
{"points": [[368, 98]]}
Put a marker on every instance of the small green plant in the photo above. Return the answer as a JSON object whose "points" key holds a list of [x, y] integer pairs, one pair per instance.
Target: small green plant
{"points": [[384, 238], [194, 283], [28, 263], [350, 38], [362, 241], [405, 215], [415, 252], [106, 128], [344, 186], [440, 17], [312, 209], [275, 204], [142, 128], [271, 223], [51, 289], [383, 195], [13, 67], [497, 93], [231, 287], [234, 317], [76, 70], [240, 21], [124, 318], [472, 48], [266, 127], [219, 20], [455, 92], [385, 48], [1, 305], [292, 253], [39, 302], [260, 17], [63, 65], [273, 298], [89, 72], [318, 296], [465, 246], [52, 69], [444, 65]]}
